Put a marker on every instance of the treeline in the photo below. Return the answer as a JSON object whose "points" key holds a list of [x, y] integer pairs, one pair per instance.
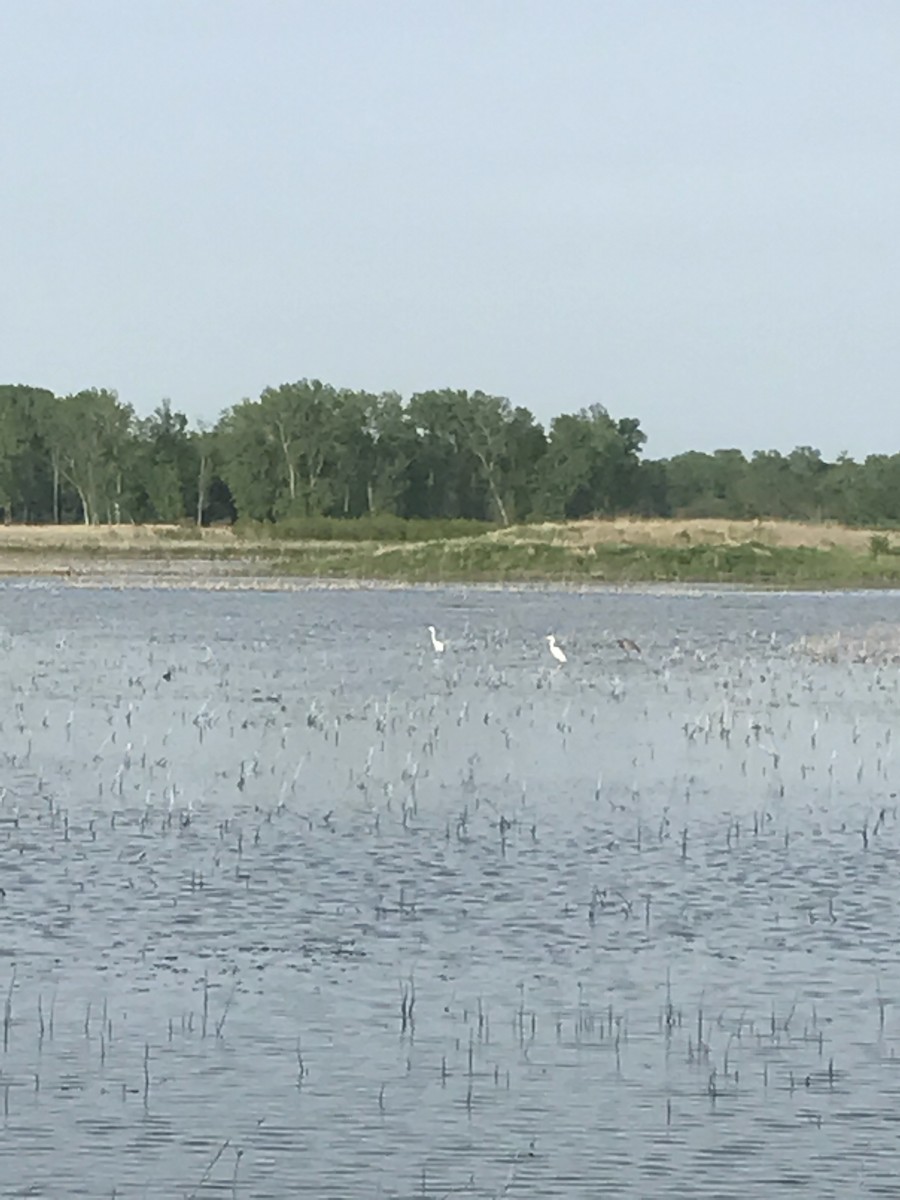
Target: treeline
{"points": [[307, 450]]}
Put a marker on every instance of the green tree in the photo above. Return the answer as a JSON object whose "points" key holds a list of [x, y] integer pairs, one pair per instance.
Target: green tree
{"points": [[475, 455], [87, 434], [842, 490], [527, 446], [706, 485], [878, 491], [205, 458], [250, 460], [392, 447], [301, 420], [485, 426], [592, 464], [445, 478], [26, 490], [787, 487], [166, 452]]}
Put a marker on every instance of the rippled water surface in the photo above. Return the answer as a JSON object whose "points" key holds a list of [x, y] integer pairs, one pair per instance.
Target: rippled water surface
{"points": [[294, 906]]}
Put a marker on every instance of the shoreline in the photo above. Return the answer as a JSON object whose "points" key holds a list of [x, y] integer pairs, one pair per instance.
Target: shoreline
{"points": [[595, 555], [235, 575]]}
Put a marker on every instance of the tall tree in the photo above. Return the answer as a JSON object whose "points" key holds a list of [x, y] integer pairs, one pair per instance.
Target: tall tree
{"points": [[87, 435], [167, 466], [392, 449], [301, 419], [486, 425], [25, 481], [591, 465], [251, 462], [527, 446], [443, 480], [707, 485]]}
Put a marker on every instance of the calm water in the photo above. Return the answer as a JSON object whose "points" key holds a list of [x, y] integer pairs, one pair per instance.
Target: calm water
{"points": [[324, 914]]}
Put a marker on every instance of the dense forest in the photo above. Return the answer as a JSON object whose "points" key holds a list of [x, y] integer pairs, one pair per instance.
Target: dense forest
{"points": [[307, 449]]}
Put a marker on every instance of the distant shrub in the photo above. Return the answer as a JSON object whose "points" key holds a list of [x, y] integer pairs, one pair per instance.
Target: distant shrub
{"points": [[879, 544], [178, 533]]}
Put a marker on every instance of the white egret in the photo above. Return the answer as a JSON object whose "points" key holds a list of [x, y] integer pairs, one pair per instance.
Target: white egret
{"points": [[437, 644], [555, 650]]}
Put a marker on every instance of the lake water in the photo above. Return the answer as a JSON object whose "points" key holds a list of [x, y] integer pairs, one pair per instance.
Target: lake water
{"points": [[293, 906]]}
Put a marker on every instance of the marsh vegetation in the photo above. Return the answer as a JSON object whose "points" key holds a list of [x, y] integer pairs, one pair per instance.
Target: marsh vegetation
{"points": [[294, 905]]}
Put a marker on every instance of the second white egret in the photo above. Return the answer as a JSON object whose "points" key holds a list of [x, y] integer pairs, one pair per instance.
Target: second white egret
{"points": [[436, 643], [557, 651]]}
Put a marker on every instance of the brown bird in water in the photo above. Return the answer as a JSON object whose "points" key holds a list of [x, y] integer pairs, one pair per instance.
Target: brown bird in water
{"points": [[628, 645]]}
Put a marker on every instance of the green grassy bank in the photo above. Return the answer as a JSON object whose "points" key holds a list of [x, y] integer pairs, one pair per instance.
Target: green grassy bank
{"points": [[484, 560], [621, 551]]}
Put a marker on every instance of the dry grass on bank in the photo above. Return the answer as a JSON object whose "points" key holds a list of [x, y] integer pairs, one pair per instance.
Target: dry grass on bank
{"points": [[622, 531], [110, 537], [657, 531]]}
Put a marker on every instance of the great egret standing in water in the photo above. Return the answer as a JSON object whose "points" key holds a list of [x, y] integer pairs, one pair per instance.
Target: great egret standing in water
{"points": [[555, 650], [436, 642]]}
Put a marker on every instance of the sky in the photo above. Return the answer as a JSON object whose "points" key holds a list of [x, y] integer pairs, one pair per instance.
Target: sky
{"points": [[687, 210]]}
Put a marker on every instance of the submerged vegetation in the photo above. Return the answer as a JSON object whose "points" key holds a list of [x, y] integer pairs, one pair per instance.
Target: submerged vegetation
{"points": [[303, 897]]}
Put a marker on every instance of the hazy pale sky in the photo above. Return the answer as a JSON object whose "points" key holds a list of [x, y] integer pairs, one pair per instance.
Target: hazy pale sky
{"points": [[686, 210]]}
